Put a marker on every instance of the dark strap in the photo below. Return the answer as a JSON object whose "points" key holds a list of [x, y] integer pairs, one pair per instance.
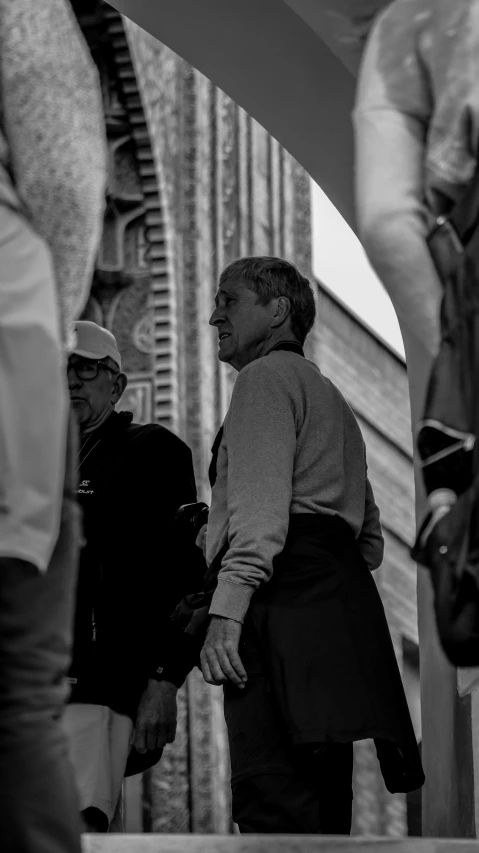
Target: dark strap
{"points": [[289, 346], [214, 456], [464, 217]]}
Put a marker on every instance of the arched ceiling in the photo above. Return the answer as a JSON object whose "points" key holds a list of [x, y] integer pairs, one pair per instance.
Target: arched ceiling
{"points": [[289, 63]]}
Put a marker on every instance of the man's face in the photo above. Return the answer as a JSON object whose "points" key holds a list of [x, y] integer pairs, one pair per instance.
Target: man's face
{"points": [[91, 397], [243, 325]]}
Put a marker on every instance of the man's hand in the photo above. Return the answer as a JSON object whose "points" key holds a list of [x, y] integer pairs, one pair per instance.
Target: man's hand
{"points": [[220, 660], [156, 717]]}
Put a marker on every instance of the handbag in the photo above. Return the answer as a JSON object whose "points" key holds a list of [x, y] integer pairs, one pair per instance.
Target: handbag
{"points": [[447, 542]]}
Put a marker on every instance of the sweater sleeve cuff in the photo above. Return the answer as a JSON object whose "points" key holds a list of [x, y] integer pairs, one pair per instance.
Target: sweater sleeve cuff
{"points": [[231, 600]]}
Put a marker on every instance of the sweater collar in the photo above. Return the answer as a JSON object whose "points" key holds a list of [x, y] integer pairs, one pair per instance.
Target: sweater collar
{"points": [[289, 346], [114, 422]]}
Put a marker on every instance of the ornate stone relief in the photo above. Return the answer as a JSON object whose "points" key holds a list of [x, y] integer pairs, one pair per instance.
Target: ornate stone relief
{"points": [[137, 399], [131, 264], [144, 333]]}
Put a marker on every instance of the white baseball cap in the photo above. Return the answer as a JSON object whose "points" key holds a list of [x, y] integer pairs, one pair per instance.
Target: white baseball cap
{"points": [[95, 342]]}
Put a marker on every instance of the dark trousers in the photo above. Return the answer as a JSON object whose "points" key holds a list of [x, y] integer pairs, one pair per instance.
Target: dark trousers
{"points": [[278, 788], [315, 799], [38, 802]]}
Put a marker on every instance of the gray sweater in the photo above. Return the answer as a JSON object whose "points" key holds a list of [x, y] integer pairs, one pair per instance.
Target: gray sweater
{"points": [[291, 444]]}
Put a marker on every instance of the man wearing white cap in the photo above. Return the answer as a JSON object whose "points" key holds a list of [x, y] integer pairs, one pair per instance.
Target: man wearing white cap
{"points": [[134, 567]]}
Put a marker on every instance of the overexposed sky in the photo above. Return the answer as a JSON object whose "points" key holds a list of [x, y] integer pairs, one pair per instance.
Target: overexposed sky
{"points": [[339, 261]]}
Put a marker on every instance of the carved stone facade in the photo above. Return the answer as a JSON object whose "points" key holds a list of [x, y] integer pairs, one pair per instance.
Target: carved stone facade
{"points": [[195, 182]]}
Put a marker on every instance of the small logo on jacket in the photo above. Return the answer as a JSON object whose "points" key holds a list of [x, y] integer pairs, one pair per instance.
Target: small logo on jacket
{"points": [[84, 489]]}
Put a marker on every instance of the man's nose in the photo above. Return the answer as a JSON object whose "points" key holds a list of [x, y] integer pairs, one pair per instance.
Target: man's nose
{"points": [[73, 381], [216, 317]]}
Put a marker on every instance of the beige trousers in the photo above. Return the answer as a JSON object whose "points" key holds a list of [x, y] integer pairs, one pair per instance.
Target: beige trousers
{"points": [[99, 746]]}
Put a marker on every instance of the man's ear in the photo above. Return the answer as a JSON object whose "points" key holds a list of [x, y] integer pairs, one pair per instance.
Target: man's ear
{"points": [[121, 381], [283, 310]]}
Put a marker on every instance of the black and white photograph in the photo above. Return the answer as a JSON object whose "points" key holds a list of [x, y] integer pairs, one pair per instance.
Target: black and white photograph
{"points": [[239, 426]]}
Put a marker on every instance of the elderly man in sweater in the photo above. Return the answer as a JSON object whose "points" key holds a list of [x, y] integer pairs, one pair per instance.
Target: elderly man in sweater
{"points": [[52, 183], [297, 631]]}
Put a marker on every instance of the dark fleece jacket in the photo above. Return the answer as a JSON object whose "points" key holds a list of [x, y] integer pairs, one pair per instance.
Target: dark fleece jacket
{"points": [[136, 563]]}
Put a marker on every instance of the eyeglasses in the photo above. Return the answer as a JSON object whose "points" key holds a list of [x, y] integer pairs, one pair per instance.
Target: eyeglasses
{"points": [[87, 369]]}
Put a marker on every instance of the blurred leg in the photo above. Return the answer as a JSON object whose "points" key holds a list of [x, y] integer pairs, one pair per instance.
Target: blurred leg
{"points": [[392, 218], [38, 801]]}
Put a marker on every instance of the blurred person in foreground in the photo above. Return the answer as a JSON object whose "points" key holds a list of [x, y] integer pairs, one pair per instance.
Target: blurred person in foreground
{"points": [[52, 183], [136, 563], [416, 123], [417, 193], [297, 631]]}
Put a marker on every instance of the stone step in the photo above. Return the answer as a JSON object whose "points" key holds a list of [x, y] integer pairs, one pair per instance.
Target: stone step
{"points": [[270, 844]]}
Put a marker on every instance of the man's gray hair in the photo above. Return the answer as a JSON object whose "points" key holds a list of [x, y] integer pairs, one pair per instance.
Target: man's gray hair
{"points": [[270, 278]]}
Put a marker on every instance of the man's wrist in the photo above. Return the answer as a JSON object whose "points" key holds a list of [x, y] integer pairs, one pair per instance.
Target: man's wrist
{"points": [[231, 600]]}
